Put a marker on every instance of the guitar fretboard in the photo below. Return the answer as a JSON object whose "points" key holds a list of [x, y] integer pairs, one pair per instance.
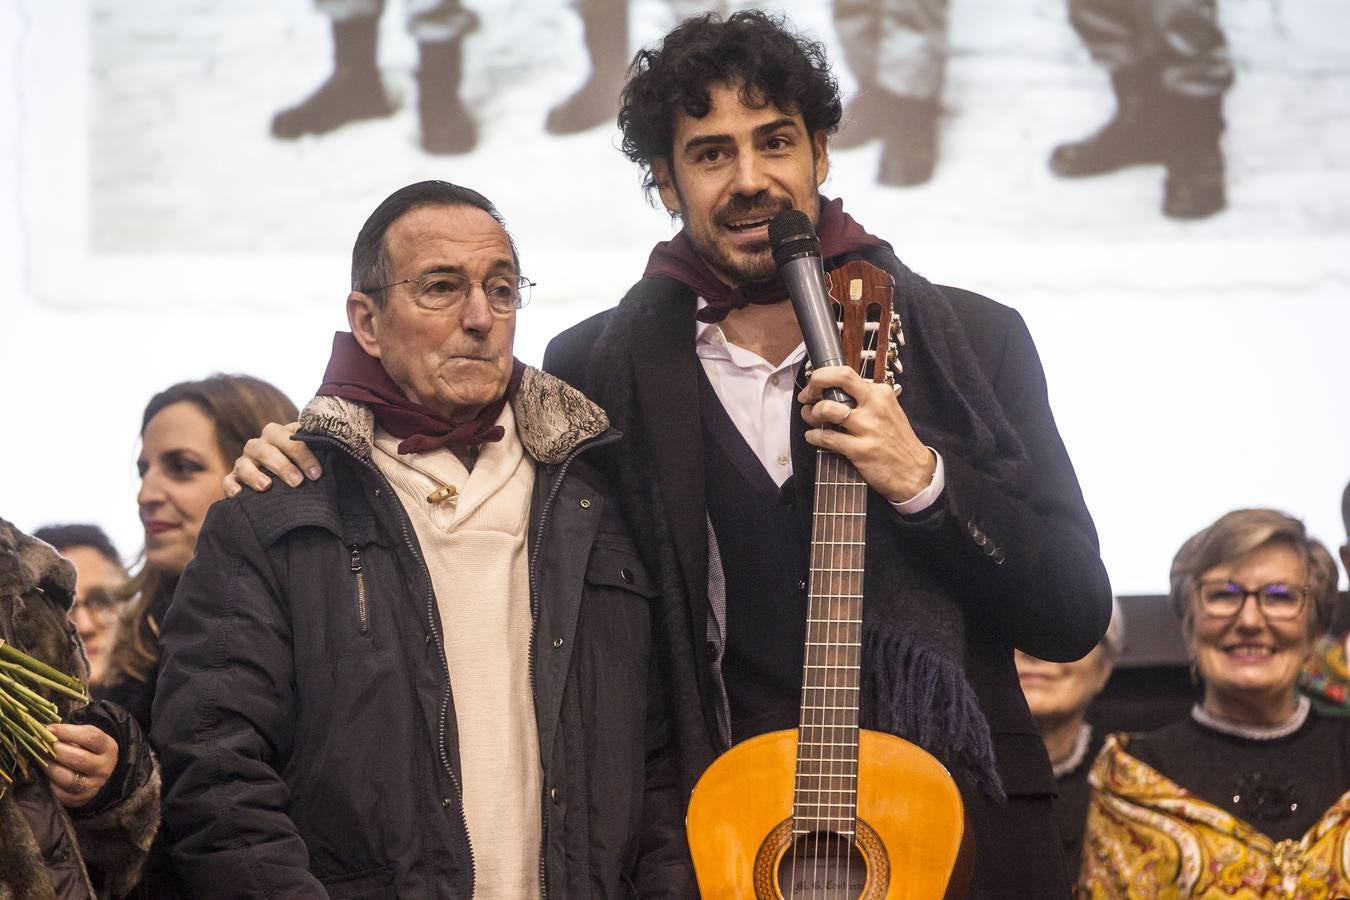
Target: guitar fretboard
{"points": [[825, 794]]}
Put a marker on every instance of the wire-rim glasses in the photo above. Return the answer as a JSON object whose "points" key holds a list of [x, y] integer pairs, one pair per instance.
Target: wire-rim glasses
{"points": [[444, 290], [1278, 601]]}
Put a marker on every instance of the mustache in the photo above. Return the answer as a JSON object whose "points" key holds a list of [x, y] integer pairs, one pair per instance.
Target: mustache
{"points": [[760, 203]]}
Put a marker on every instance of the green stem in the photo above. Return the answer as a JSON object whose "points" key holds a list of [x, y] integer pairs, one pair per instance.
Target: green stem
{"points": [[35, 678], [10, 653], [31, 699], [32, 728]]}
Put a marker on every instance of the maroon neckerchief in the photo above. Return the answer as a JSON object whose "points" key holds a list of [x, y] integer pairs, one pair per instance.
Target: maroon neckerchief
{"points": [[353, 374], [676, 258]]}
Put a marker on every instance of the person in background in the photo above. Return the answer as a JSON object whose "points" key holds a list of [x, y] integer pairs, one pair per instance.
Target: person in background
{"points": [[1326, 677], [1059, 695], [1253, 777], [98, 575], [189, 434], [80, 826], [1170, 69]]}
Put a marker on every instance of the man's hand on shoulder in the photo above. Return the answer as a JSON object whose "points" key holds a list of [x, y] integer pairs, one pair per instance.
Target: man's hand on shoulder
{"points": [[274, 451], [876, 435]]}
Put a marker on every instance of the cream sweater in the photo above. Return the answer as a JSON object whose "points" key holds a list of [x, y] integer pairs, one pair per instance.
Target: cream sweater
{"points": [[475, 550]]}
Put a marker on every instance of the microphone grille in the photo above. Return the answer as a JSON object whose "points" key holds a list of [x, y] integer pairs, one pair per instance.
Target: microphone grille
{"points": [[790, 227]]}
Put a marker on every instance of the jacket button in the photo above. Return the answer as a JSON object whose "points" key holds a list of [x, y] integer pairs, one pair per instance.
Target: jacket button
{"points": [[585, 504], [557, 642], [555, 795], [445, 803], [626, 575]]}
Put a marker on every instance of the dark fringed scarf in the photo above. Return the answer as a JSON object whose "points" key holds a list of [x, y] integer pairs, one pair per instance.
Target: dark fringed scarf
{"points": [[914, 685], [353, 374]]}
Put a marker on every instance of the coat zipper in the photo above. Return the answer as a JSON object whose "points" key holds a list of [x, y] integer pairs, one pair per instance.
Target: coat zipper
{"points": [[361, 611], [534, 630], [434, 633]]}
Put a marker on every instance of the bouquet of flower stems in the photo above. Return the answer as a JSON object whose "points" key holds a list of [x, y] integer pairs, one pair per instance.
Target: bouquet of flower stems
{"points": [[25, 713]]}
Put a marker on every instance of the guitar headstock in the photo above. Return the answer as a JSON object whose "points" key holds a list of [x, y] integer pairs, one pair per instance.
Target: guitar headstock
{"points": [[863, 296]]}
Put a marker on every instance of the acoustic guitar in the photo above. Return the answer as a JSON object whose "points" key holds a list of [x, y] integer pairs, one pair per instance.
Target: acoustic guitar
{"points": [[830, 810]]}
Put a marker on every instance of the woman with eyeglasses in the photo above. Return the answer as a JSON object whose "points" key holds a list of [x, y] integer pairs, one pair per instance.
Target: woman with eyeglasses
{"points": [[1249, 796]]}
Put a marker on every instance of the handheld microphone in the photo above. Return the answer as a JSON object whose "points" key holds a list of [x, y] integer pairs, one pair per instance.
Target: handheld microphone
{"points": [[796, 252]]}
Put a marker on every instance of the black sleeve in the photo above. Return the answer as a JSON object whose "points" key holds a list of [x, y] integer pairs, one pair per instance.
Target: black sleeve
{"points": [[568, 355], [222, 721], [1024, 558], [115, 828], [664, 866]]}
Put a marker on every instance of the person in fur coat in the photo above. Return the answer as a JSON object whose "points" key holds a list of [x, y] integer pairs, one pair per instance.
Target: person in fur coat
{"points": [[80, 826]]}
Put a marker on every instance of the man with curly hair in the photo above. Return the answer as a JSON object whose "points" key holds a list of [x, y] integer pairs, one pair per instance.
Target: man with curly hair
{"points": [[978, 540]]}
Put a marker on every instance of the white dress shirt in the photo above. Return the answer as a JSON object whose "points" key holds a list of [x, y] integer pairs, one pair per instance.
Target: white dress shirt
{"points": [[758, 397]]}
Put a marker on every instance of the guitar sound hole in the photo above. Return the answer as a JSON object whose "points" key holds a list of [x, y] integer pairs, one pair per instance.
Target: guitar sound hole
{"points": [[823, 865]]}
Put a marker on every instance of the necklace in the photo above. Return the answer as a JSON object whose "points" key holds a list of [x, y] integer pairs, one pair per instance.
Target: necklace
{"points": [[443, 493], [1254, 732], [1074, 759]]}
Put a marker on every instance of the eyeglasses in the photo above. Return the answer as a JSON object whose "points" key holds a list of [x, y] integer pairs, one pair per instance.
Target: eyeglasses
{"points": [[443, 290], [1278, 601], [96, 600]]}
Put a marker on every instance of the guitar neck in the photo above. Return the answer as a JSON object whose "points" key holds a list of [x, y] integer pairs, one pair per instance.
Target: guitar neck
{"points": [[825, 796]]}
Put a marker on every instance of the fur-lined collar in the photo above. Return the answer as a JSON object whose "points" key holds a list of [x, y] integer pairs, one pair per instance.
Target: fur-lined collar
{"points": [[552, 418], [27, 563]]}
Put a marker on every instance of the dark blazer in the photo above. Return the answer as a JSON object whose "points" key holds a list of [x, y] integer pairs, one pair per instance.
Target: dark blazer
{"points": [[1023, 562]]}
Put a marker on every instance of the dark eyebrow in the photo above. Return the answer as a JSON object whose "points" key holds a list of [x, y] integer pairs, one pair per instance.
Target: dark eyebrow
{"points": [[760, 132], [768, 128]]}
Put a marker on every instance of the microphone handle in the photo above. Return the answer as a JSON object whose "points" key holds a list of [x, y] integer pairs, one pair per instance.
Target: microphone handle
{"points": [[811, 302]]}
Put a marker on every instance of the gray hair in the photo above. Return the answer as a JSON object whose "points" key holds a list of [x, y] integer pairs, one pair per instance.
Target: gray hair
{"points": [[370, 263], [1239, 533]]}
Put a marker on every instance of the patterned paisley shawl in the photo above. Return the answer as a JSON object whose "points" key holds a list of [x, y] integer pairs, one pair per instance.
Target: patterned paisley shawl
{"points": [[1148, 838]]}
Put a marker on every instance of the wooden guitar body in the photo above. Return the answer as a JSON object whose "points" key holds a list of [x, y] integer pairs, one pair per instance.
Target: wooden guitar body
{"points": [[910, 823]]}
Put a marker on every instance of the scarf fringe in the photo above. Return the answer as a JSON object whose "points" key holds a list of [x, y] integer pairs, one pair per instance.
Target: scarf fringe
{"points": [[916, 693]]}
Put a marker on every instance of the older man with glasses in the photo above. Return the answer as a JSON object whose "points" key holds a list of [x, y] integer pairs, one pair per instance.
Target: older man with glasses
{"points": [[426, 674]]}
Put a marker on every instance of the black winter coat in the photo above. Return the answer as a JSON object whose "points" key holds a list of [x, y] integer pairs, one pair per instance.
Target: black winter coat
{"points": [[309, 740]]}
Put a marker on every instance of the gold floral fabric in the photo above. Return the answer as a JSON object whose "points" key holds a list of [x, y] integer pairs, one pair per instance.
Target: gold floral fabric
{"points": [[1148, 838]]}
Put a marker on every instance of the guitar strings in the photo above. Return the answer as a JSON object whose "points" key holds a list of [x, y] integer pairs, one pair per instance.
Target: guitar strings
{"points": [[836, 768]]}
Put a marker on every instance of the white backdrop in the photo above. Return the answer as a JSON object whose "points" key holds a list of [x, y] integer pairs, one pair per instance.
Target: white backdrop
{"points": [[151, 231]]}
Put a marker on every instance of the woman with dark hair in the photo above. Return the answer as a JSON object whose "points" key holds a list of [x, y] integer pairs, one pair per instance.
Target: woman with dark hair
{"points": [[190, 434], [1250, 795], [98, 576]]}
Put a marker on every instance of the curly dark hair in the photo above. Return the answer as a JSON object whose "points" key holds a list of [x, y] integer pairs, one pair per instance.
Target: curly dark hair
{"points": [[771, 63]]}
